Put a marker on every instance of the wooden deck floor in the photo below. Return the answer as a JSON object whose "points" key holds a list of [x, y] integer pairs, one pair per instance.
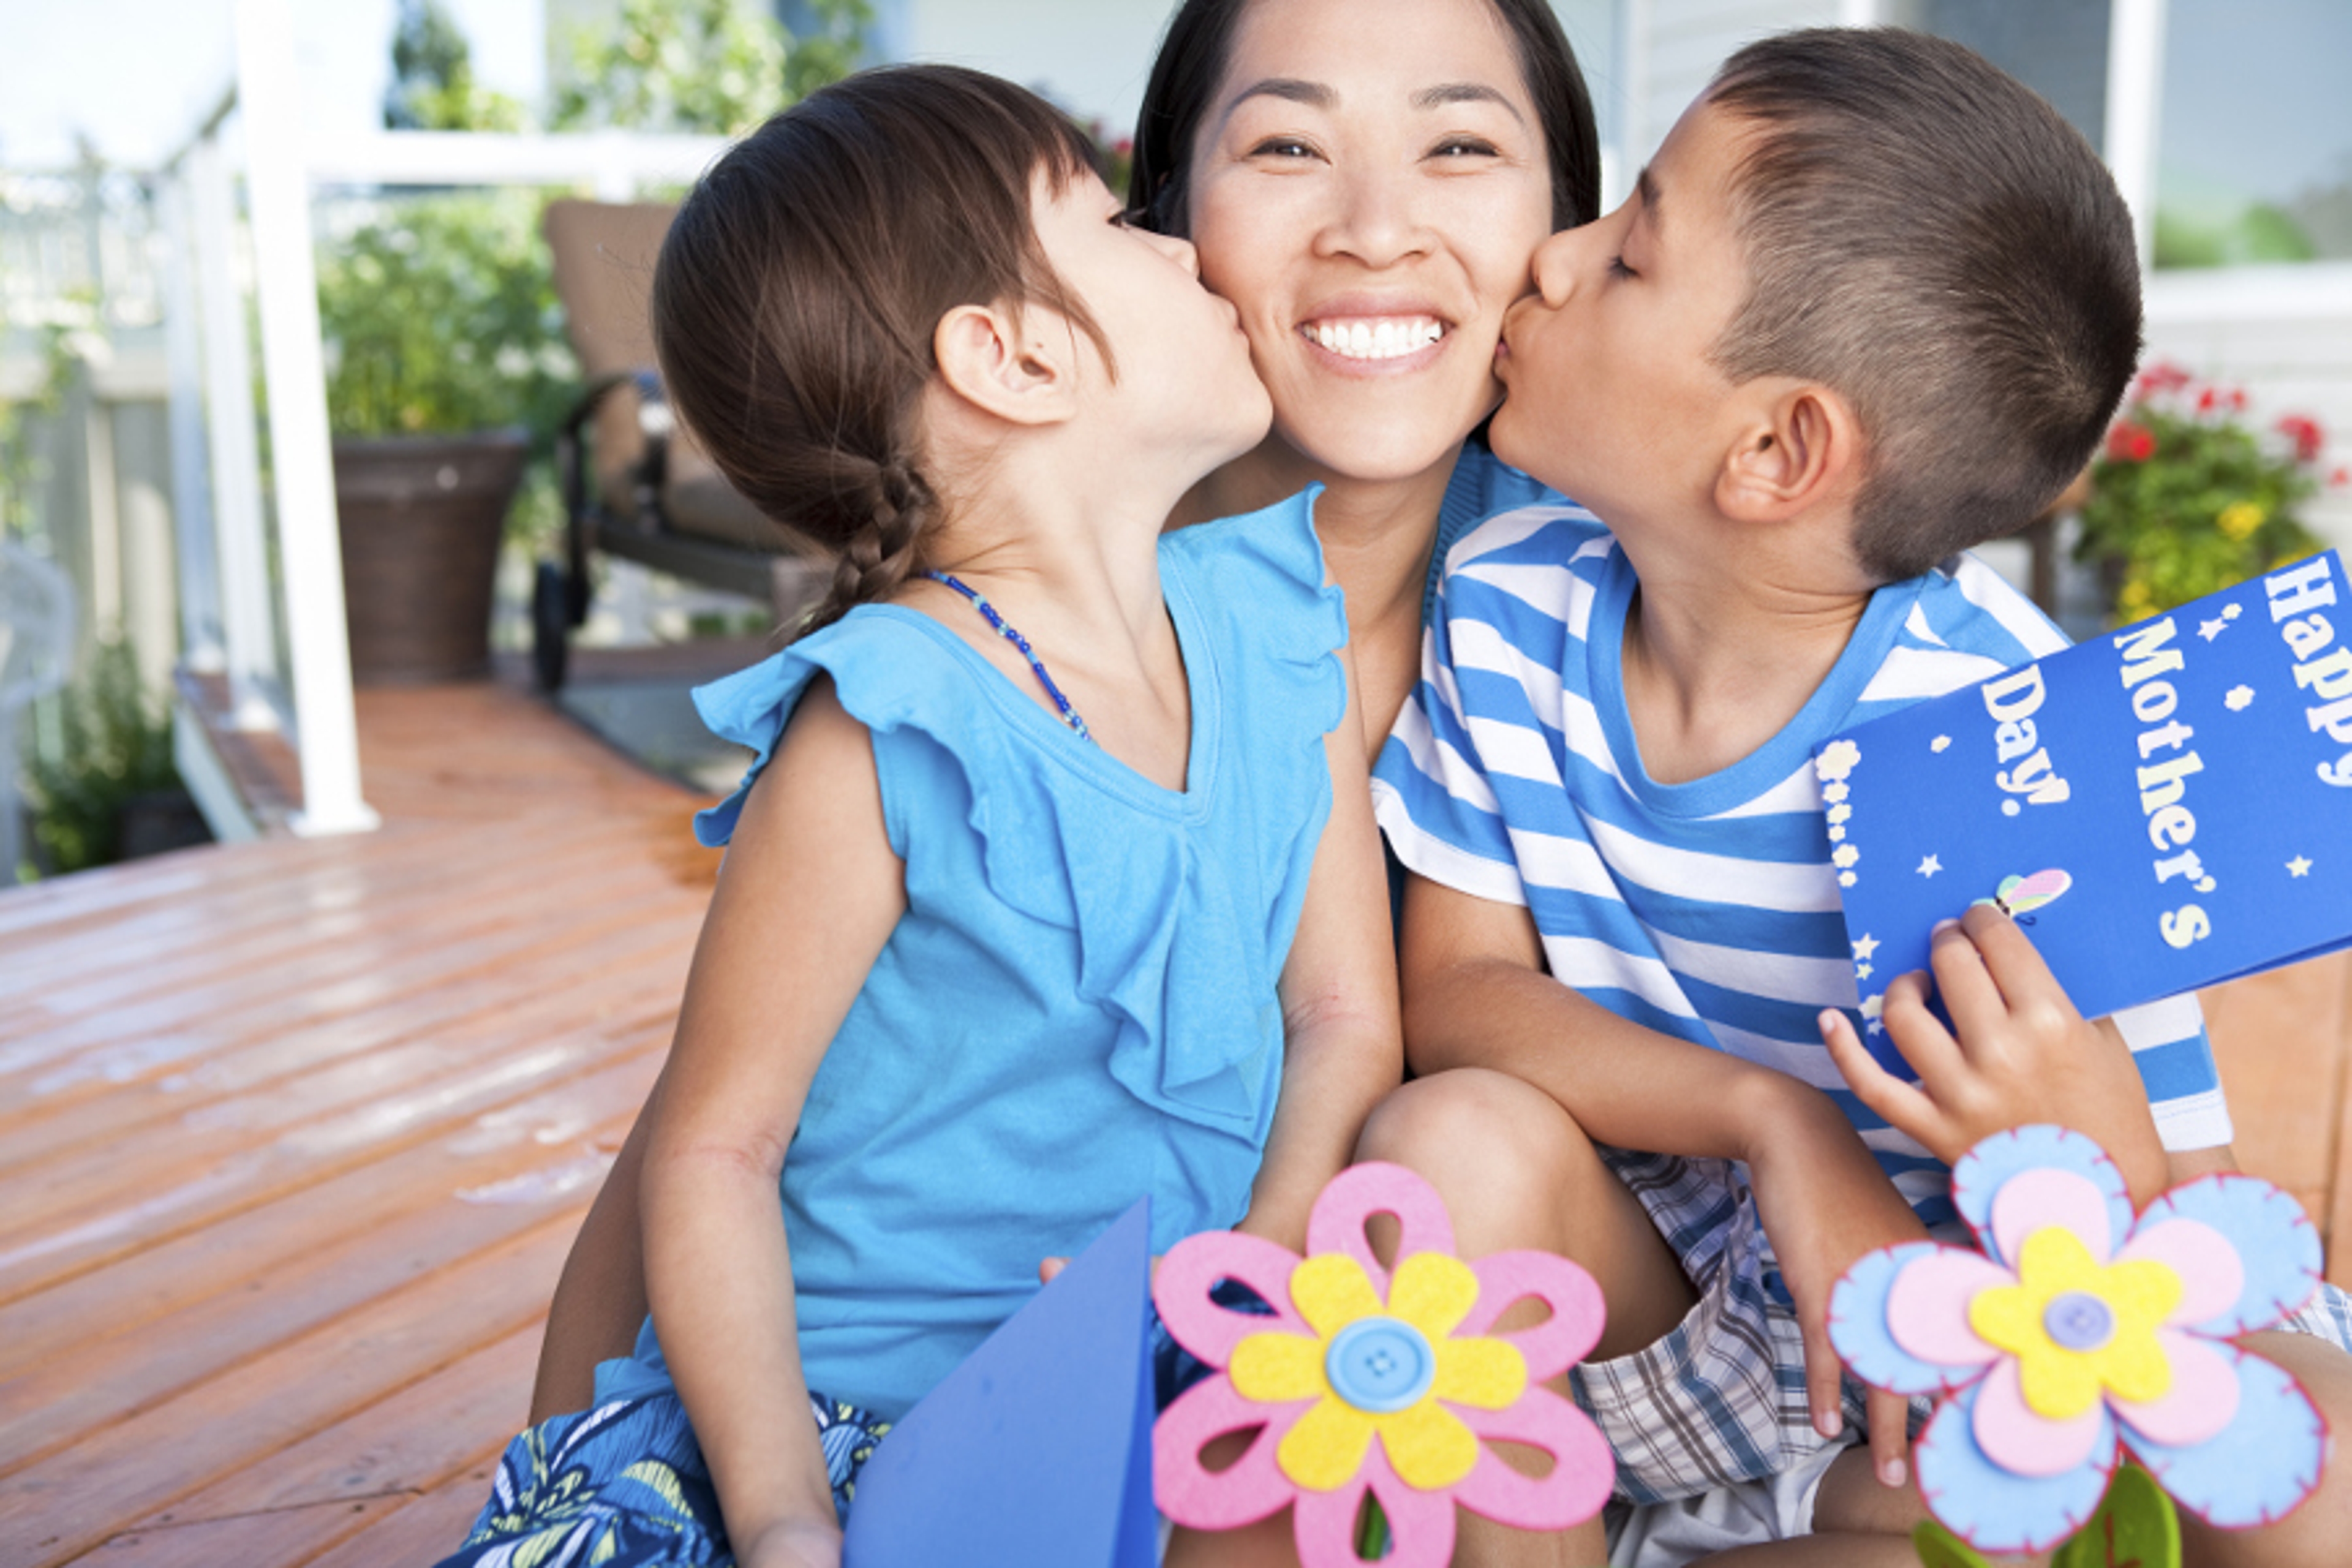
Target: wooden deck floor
{"points": [[294, 1135]]}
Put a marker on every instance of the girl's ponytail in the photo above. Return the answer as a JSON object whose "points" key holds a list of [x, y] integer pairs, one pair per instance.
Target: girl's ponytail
{"points": [[797, 292]]}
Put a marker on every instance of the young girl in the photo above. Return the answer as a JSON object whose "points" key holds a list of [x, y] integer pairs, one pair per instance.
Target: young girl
{"points": [[1015, 926]]}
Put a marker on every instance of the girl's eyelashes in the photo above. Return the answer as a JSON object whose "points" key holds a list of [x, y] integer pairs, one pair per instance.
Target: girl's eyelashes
{"points": [[1465, 147], [1617, 268]]}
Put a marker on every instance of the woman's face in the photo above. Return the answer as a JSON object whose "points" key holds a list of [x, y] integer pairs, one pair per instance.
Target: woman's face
{"points": [[1367, 187]]}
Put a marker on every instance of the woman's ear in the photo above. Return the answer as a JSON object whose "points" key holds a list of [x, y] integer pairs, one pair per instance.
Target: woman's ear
{"points": [[1007, 362], [1803, 449]]}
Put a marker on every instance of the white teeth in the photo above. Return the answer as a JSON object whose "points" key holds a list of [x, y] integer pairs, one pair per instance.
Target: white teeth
{"points": [[1386, 337]]}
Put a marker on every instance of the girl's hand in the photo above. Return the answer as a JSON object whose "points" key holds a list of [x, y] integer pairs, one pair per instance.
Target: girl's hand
{"points": [[2024, 1055], [793, 1541]]}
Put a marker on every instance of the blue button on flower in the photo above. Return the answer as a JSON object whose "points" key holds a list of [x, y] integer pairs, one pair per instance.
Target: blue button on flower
{"points": [[1380, 1364], [2077, 1320]]}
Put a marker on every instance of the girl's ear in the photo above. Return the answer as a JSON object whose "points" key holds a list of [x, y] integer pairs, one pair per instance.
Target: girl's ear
{"points": [[1803, 448], [1007, 362]]}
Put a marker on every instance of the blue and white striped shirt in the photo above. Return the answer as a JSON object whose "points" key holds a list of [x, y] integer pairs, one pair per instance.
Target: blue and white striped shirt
{"points": [[1706, 909]]}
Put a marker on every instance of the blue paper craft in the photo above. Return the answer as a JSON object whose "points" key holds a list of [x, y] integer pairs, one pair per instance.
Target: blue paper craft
{"points": [[1035, 1452], [2165, 807]]}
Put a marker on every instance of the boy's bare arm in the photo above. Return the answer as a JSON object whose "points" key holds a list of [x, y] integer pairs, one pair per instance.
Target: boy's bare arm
{"points": [[1476, 994]]}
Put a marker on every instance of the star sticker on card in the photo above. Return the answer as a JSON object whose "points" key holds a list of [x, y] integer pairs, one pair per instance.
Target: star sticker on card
{"points": [[1930, 866], [1940, 744], [1866, 947], [2238, 699], [2213, 629], [2298, 867], [1861, 971]]}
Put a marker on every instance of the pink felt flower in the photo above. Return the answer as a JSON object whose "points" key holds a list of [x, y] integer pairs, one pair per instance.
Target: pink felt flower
{"points": [[2079, 1327], [1364, 1379]]}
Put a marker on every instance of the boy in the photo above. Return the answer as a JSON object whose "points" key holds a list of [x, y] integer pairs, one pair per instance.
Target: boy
{"points": [[1871, 302]]}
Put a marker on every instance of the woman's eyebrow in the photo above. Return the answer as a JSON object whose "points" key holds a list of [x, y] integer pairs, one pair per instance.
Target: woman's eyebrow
{"points": [[1464, 93], [1314, 94]]}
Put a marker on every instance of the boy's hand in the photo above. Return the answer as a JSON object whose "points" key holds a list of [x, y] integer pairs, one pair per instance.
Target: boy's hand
{"points": [[2024, 1055], [1825, 1204]]}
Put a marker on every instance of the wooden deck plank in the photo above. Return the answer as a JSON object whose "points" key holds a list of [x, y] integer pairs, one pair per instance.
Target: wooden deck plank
{"points": [[126, 1356], [58, 1508], [289, 1536], [426, 1531], [408, 1443], [628, 973]]}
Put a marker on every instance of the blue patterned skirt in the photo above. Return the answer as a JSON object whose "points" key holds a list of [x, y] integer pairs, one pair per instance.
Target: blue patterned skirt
{"points": [[623, 1484]]}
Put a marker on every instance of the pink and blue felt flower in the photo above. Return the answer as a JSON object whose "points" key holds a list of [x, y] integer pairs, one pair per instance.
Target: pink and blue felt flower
{"points": [[1367, 1379], [2078, 1328]]}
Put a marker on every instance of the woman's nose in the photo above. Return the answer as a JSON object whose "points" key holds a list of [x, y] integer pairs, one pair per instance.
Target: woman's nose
{"points": [[1377, 221], [1555, 267]]}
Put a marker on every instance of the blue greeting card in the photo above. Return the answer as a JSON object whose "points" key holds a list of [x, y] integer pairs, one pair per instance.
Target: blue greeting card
{"points": [[2163, 807], [1037, 1451]]}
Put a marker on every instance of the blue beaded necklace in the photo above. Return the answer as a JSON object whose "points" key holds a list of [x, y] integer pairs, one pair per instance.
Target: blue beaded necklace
{"points": [[1004, 629]]}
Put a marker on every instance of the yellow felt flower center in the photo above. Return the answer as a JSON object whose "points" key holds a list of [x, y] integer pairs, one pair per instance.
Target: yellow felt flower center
{"points": [[1374, 1368], [2077, 1326]]}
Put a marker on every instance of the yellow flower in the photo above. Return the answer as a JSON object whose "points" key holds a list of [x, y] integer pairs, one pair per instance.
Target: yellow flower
{"points": [[2077, 1327], [1372, 1368], [2134, 599], [2240, 519]]}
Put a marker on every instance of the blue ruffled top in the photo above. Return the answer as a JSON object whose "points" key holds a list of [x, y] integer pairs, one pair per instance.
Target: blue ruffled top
{"points": [[1078, 1007]]}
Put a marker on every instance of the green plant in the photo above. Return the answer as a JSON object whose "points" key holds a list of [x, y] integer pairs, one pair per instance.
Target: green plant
{"points": [[718, 67], [433, 86], [439, 315], [2186, 499], [116, 744]]}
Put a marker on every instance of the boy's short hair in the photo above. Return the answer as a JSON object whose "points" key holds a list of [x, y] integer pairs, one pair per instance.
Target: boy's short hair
{"points": [[1926, 237]]}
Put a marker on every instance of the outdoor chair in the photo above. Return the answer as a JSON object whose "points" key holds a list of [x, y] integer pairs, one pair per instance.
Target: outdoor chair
{"points": [[635, 484]]}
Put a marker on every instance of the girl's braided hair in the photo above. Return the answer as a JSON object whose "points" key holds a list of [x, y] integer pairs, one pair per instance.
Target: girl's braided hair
{"points": [[798, 291]]}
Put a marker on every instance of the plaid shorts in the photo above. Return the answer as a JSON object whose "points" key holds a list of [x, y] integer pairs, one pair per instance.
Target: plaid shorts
{"points": [[1719, 1399]]}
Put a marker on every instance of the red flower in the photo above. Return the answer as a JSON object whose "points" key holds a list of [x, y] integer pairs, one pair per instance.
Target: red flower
{"points": [[2130, 443], [2237, 400], [2306, 435], [2340, 477], [2162, 376], [2207, 399]]}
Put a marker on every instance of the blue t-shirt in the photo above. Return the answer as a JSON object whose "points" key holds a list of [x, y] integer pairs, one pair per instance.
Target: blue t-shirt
{"points": [[1078, 1007], [1706, 909]]}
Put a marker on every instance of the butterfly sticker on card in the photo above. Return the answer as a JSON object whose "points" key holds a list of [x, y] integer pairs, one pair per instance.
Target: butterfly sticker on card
{"points": [[2018, 897]]}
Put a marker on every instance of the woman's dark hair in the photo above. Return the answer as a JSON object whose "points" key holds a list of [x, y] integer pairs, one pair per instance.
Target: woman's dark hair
{"points": [[799, 289], [1191, 64]]}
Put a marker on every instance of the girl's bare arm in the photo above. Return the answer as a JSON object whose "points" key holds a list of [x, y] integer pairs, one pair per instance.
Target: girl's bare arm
{"points": [[806, 900]]}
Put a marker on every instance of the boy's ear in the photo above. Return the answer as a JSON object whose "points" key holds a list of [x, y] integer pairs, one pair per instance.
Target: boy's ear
{"points": [[1007, 362], [1803, 448]]}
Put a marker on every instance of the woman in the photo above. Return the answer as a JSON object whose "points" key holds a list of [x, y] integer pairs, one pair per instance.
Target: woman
{"points": [[1340, 165], [1367, 183]]}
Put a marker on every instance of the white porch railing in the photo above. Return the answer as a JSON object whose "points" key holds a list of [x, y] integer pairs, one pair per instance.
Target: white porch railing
{"points": [[231, 619]]}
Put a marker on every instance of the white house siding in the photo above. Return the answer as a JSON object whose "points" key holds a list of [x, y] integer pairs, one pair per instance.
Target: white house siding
{"points": [[2284, 333], [1673, 47]]}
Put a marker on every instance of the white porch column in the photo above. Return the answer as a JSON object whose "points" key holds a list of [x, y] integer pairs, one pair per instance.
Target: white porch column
{"points": [[2135, 109], [246, 621], [201, 646], [310, 547]]}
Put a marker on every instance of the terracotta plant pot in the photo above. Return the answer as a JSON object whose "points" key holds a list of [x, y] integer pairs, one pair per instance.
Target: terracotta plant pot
{"points": [[421, 517]]}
